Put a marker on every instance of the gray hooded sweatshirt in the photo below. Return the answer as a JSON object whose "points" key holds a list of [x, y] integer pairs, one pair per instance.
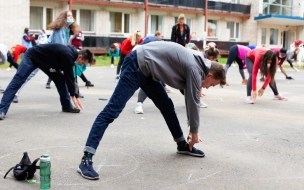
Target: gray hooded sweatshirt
{"points": [[178, 67]]}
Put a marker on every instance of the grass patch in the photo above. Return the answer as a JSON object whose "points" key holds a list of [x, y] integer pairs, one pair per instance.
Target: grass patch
{"points": [[105, 61]]}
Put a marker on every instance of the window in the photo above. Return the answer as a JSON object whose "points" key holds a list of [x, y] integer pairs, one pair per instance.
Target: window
{"points": [[236, 1], [212, 28], [120, 22], [49, 16], [282, 7], [87, 20], [189, 22], [156, 24], [234, 29], [273, 40], [36, 18], [40, 17], [263, 41]]}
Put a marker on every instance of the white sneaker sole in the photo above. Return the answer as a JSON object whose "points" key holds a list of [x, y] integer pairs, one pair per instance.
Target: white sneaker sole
{"points": [[249, 102], [138, 112], [91, 178], [190, 153]]}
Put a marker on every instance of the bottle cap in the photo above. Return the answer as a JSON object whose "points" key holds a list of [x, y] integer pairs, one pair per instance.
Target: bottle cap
{"points": [[45, 158]]}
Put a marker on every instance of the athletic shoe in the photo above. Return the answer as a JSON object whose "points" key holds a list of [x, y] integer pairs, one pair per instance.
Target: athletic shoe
{"points": [[48, 86], [112, 66], [280, 97], [1, 90], [297, 70], [15, 100], [289, 78], [86, 169], [183, 148], [262, 79], [117, 79], [249, 100], [203, 105], [139, 109], [2, 115], [279, 70], [244, 81], [71, 110], [8, 69], [89, 84]]}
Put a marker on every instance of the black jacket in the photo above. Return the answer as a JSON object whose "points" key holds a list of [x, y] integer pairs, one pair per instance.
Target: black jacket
{"points": [[56, 58], [179, 38]]}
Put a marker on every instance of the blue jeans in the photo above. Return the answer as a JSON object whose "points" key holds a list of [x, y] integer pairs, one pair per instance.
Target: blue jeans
{"points": [[26, 67], [131, 79]]}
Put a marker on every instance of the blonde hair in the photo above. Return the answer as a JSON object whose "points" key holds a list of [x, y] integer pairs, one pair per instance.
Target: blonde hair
{"points": [[133, 37], [181, 16]]}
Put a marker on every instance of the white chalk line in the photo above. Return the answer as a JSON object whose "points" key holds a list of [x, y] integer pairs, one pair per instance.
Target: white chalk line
{"points": [[77, 184], [246, 135]]}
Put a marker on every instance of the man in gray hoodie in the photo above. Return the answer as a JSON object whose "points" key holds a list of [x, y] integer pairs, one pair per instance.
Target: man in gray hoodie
{"points": [[157, 61]]}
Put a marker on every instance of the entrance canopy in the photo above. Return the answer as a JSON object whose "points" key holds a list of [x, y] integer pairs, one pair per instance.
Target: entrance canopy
{"points": [[275, 19]]}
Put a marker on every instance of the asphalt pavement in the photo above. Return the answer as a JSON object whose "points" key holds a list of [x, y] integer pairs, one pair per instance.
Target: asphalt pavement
{"points": [[258, 146]]}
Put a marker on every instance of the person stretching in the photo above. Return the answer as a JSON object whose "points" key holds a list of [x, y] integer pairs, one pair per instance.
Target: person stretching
{"points": [[237, 53], [281, 55], [114, 52], [265, 60], [56, 61], [126, 48], [144, 68], [292, 56]]}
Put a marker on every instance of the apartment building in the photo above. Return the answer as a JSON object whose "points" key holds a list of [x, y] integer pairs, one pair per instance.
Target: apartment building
{"points": [[275, 23]]}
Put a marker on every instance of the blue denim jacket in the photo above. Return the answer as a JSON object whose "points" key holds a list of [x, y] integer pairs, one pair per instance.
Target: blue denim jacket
{"points": [[60, 36]]}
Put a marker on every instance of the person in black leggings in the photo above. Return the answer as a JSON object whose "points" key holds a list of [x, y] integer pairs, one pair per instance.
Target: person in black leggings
{"points": [[237, 53]]}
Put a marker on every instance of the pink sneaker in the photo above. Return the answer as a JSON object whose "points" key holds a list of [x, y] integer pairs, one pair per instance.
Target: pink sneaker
{"points": [[280, 97], [249, 100]]}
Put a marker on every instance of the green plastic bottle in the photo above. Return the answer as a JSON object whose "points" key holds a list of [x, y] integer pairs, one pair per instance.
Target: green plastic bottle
{"points": [[45, 171]]}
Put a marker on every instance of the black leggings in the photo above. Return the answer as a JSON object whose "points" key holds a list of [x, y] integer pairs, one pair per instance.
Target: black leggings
{"points": [[272, 84], [112, 60], [290, 62], [233, 56], [11, 60], [122, 57]]}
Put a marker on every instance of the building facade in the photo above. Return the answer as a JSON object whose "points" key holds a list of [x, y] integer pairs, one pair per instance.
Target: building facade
{"points": [[275, 23]]}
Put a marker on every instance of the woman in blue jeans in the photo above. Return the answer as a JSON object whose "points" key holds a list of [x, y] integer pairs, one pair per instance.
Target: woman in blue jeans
{"points": [[144, 68]]}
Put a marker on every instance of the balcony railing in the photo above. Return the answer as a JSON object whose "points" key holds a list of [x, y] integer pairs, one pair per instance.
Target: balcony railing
{"points": [[186, 4]]}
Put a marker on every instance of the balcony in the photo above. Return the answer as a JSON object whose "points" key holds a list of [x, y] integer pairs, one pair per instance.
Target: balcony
{"points": [[213, 6]]}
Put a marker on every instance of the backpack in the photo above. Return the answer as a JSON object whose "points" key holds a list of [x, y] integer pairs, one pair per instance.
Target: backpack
{"points": [[25, 169]]}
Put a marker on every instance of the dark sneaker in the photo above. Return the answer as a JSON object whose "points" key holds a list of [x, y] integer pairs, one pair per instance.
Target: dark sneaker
{"points": [[2, 115], [71, 110], [48, 86], [184, 149], [86, 169], [289, 78], [15, 100], [89, 84]]}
